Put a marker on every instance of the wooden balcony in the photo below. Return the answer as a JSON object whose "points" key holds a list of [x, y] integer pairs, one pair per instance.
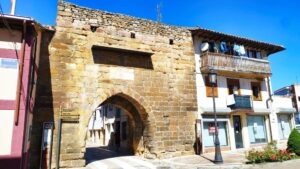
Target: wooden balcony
{"points": [[230, 65]]}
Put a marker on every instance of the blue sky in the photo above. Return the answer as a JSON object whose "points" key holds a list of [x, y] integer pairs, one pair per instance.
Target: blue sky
{"points": [[274, 21]]}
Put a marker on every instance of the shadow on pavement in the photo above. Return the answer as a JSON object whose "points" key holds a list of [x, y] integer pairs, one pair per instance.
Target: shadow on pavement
{"points": [[99, 153]]}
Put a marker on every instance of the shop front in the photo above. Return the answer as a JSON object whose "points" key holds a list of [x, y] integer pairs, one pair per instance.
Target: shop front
{"points": [[236, 131], [209, 129]]}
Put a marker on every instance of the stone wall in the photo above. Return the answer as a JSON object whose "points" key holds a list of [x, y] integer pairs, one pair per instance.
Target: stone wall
{"points": [[163, 91]]}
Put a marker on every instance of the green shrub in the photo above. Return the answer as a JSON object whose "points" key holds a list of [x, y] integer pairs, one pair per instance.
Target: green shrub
{"points": [[293, 144]]}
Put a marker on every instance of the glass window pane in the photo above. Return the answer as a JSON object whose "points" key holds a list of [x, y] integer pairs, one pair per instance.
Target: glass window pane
{"points": [[284, 127], [297, 118], [257, 129], [208, 137]]}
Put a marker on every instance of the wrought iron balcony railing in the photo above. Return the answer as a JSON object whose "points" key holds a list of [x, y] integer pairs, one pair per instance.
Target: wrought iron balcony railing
{"points": [[241, 102]]}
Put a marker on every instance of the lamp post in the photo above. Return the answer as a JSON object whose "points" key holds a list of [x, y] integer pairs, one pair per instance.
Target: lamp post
{"points": [[212, 75]]}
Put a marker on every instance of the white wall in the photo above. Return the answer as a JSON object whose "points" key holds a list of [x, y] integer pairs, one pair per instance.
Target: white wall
{"points": [[6, 131], [282, 102], [245, 87], [8, 78]]}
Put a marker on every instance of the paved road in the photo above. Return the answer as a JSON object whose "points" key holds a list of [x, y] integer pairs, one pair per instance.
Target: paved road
{"points": [[125, 162], [101, 158], [133, 162]]}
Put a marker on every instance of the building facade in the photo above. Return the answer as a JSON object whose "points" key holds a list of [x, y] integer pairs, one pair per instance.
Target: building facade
{"points": [[95, 58], [20, 39], [292, 93], [243, 92], [156, 75]]}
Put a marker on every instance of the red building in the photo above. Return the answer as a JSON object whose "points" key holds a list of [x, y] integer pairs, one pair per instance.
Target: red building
{"points": [[19, 56]]}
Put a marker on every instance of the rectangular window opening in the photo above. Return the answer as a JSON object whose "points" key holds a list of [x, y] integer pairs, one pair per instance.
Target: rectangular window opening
{"points": [[256, 91], [257, 129]]}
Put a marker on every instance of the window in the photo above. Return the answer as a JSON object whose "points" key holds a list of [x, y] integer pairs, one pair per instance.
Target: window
{"points": [[208, 134], [233, 86], [284, 127], [297, 118], [211, 47], [252, 53], [256, 91], [258, 55], [257, 129], [209, 88]]}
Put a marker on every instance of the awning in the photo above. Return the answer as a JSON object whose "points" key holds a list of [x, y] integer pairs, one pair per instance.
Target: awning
{"points": [[285, 110], [219, 110]]}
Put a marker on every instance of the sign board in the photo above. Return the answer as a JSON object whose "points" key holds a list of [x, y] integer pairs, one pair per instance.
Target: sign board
{"points": [[69, 114], [211, 128], [46, 145]]}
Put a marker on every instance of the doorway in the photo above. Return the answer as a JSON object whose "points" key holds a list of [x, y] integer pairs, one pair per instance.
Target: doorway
{"points": [[238, 131]]}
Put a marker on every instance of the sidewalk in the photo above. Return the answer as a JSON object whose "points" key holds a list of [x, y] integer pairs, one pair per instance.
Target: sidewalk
{"points": [[231, 160]]}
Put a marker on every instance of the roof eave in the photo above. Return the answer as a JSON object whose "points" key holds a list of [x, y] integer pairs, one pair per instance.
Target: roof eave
{"points": [[270, 48]]}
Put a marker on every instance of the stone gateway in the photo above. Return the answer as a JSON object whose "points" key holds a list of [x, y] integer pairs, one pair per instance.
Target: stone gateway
{"points": [[93, 58]]}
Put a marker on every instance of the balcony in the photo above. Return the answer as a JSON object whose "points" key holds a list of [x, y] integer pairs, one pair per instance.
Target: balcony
{"points": [[236, 102], [229, 65]]}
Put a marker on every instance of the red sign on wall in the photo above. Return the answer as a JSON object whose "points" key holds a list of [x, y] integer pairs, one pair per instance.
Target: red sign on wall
{"points": [[211, 128]]}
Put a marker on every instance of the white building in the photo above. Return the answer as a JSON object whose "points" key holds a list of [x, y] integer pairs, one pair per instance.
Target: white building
{"points": [[292, 94], [108, 127], [243, 94]]}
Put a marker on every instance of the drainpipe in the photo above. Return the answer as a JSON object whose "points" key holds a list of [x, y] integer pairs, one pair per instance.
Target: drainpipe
{"points": [[20, 75], [269, 92], [269, 100]]}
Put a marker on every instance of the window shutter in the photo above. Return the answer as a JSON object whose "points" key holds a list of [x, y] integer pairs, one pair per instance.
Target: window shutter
{"points": [[209, 88]]}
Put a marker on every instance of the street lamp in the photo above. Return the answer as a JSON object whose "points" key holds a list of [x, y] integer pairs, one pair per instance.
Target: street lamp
{"points": [[212, 76]]}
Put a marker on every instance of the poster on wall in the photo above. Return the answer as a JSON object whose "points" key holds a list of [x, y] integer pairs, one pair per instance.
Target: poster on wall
{"points": [[46, 147]]}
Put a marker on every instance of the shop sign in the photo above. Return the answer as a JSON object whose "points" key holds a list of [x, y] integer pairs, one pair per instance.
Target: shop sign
{"points": [[211, 128]]}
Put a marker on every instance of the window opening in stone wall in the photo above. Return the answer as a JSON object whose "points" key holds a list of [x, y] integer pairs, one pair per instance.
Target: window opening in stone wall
{"points": [[94, 28], [122, 57], [132, 35]]}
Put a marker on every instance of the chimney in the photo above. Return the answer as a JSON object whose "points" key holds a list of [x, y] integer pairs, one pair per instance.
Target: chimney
{"points": [[12, 7]]}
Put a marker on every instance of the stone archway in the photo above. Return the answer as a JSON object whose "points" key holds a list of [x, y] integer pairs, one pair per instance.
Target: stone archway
{"points": [[137, 123]]}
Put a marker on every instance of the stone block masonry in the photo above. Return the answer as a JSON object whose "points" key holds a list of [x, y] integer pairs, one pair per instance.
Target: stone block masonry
{"points": [[97, 57]]}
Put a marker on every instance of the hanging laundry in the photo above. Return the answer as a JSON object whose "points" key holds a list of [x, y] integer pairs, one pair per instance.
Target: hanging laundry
{"points": [[96, 122], [223, 47], [236, 49], [242, 51]]}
